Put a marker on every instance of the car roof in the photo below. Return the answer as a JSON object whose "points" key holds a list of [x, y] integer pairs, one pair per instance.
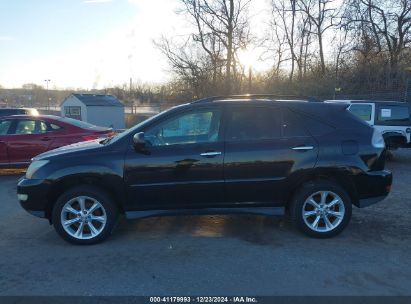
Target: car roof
{"points": [[298, 103], [17, 109], [349, 101], [256, 98], [52, 117]]}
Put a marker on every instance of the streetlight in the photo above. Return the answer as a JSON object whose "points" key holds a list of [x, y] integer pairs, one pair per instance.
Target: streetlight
{"points": [[48, 98]]}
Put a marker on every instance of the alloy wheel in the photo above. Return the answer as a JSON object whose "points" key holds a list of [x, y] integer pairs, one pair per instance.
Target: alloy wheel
{"points": [[83, 217], [323, 211]]}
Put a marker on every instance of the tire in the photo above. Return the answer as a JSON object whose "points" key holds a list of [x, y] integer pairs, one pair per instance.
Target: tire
{"points": [[314, 224], [79, 230]]}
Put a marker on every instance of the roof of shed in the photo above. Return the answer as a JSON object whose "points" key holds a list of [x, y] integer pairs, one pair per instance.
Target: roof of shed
{"points": [[98, 100]]}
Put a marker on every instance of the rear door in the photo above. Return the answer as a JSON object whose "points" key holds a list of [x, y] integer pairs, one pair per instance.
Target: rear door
{"points": [[264, 146], [28, 138], [4, 129]]}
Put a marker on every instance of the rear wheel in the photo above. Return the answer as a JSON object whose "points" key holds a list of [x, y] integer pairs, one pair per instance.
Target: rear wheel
{"points": [[321, 209], [84, 215]]}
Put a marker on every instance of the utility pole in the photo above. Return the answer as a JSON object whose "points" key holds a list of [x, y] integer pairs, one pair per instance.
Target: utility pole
{"points": [[48, 98]]}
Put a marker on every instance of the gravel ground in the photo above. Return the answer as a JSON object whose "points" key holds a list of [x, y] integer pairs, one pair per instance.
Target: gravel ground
{"points": [[213, 255]]}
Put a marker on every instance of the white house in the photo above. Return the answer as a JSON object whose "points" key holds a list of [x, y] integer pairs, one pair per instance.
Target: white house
{"points": [[100, 110]]}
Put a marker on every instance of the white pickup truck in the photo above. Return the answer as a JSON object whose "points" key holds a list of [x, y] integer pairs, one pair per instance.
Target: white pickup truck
{"points": [[391, 118]]}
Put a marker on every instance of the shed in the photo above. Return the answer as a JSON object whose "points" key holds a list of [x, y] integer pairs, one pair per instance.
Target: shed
{"points": [[100, 110]]}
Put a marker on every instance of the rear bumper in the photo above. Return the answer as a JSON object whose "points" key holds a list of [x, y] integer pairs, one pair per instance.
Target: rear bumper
{"points": [[32, 195], [373, 187]]}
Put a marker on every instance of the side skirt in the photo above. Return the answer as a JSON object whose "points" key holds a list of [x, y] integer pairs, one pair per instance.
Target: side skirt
{"points": [[270, 211]]}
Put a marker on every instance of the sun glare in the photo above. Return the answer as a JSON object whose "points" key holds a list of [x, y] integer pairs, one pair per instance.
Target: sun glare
{"points": [[249, 59]]}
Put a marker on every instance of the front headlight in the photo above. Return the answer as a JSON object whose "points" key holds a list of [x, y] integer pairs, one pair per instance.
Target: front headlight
{"points": [[34, 166]]}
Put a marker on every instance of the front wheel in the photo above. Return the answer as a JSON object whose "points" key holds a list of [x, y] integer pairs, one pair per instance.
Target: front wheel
{"points": [[84, 215], [321, 209]]}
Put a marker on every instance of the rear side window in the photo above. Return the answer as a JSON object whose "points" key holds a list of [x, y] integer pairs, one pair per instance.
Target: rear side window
{"points": [[54, 127], [362, 111], [293, 124], [246, 123], [393, 113], [300, 124]]}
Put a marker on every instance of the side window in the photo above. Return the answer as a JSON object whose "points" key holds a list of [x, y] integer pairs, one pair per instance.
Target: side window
{"points": [[362, 111], [393, 113], [187, 128], [30, 127], [249, 123], [4, 126], [298, 124], [72, 112], [42, 127], [293, 124], [54, 127]]}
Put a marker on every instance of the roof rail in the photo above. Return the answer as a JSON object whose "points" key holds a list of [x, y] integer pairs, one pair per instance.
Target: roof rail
{"points": [[248, 96]]}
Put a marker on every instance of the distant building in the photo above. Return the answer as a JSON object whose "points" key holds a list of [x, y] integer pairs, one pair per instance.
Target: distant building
{"points": [[100, 110]]}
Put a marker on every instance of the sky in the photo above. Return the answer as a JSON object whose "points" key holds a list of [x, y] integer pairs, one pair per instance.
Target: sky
{"points": [[84, 43], [93, 44]]}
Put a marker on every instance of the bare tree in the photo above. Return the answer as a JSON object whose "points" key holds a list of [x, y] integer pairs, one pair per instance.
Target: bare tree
{"points": [[295, 27], [391, 20], [285, 12], [221, 29], [384, 30], [275, 45], [323, 15], [188, 63]]}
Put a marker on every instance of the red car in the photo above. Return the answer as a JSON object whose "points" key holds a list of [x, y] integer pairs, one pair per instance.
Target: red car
{"points": [[23, 136]]}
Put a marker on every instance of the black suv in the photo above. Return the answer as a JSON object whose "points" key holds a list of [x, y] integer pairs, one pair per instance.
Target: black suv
{"points": [[217, 155]]}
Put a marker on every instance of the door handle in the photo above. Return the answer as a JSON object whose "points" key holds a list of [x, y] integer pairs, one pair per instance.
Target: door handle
{"points": [[46, 139], [210, 154], [303, 148]]}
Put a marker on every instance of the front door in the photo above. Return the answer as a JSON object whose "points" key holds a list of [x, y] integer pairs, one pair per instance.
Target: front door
{"points": [[182, 166]]}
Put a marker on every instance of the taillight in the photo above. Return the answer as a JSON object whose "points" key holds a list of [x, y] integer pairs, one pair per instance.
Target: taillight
{"points": [[89, 137]]}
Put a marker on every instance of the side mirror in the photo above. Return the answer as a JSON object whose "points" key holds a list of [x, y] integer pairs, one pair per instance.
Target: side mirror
{"points": [[138, 141]]}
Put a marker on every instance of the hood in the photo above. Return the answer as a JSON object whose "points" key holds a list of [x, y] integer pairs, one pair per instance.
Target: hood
{"points": [[77, 147]]}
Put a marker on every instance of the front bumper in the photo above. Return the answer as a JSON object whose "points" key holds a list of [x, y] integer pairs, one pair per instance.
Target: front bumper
{"points": [[373, 187], [32, 195]]}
